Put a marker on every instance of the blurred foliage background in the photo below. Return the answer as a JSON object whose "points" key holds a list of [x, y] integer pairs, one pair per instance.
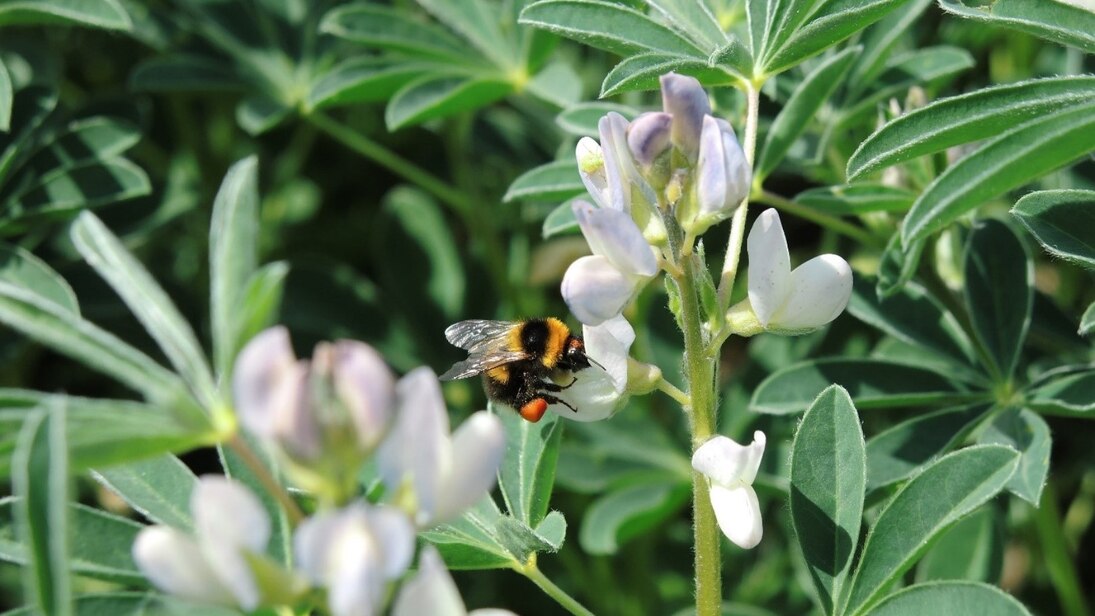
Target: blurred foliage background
{"points": [[383, 168]]}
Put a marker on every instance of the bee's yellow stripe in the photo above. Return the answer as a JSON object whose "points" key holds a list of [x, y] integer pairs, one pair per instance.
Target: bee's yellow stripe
{"points": [[557, 338], [499, 374]]}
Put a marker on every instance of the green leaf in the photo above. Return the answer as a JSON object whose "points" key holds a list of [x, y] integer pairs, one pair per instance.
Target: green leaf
{"points": [[67, 333], [878, 42], [363, 80], [41, 483], [150, 304], [102, 543], [136, 604], [7, 93], [833, 22], [185, 73], [972, 549], [641, 72], [478, 21], [31, 107], [66, 190], [734, 58], [233, 256], [436, 96], [1008, 161], [558, 84], [1087, 322], [981, 114], [999, 291], [620, 515], [942, 494], [1027, 433], [281, 540], [695, 18], [857, 199], [899, 452], [258, 114], [827, 480], [560, 221], [416, 220], [913, 316], [1057, 219], [260, 302], [920, 67], [581, 119], [390, 29], [951, 597], [23, 269], [1067, 391], [158, 488], [1054, 21], [106, 14], [551, 182], [483, 538], [85, 140], [527, 474], [871, 383], [897, 266], [606, 25], [814, 90]]}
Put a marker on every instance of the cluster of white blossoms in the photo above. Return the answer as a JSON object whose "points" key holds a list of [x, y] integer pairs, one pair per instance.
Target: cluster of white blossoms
{"points": [[326, 417], [680, 171]]}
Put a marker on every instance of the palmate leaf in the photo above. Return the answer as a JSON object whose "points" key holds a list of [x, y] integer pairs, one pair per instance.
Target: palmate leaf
{"points": [[609, 26], [158, 488], [550, 182], [1069, 390], [828, 474], [389, 29], [972, 549], [438, 95], [1053, 21], [857, 199], [695, 18], [1028, 433], [484, 538], [64, 191], [23, 269], [363, 80], [641, 72], [106, 14], [943, 493], [878, 41], [982, 114], [629, 511], [1059, 220], [181, 72], [527, 474], [949, 597]]}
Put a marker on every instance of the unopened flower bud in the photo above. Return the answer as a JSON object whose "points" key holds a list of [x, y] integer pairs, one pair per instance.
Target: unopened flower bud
{"points": [[642, 378], [722, 178], [648, 137], [684, 99]]}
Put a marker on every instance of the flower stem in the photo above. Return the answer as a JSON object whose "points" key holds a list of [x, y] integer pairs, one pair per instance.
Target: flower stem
{"points": [[570, 604], [825, 220], [737, 225], [672, 391], [251, 459]]}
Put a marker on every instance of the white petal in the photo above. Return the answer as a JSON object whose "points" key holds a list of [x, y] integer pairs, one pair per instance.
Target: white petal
{"points": [[491, 611], [312, 543], [395, 536], [477, 449], [353, 567], [820, 289], [738, 514], [595, 290], [684, 98], [431, 590], [739, 175], [259, 376], [593, 395], [769, 266], [367, 388], [712, 181], [418, 444], [172, 561], [591, 168], [615, 236], [227, 512], [608, 344], [618, 166], [727, 463]]}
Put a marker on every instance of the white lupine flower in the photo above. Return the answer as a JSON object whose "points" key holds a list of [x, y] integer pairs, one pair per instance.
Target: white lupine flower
{"points": [[599, 390], [354, 552], [812, 295], [429, 471], [230, 527], [732, 468], [341, 400], [684, 98], [432, 591], [722, 178], [598, 287]]}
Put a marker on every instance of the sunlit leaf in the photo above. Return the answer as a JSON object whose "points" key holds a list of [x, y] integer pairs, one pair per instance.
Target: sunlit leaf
{"points": [[607, 25], [435, 96], [527, 474], [1059, 219], [106, 14], [855, 199], [157, 488], [550, 182], [641, 72], [1055, 21], [387, 28]]}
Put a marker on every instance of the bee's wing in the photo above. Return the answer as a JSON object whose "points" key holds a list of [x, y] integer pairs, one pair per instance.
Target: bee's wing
{"points": [[478, 335], [481, 362]]}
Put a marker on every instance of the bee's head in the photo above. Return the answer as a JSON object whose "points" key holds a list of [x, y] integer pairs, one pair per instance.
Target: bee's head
{"points": [[575, 354]]}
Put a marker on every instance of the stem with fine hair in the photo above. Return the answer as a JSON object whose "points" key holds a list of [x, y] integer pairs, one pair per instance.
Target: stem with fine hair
{"points": [[737, 224], [570, 604]]}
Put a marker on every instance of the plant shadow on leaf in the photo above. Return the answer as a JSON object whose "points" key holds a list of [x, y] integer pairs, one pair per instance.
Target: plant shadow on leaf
{"points": [[830, 546]]}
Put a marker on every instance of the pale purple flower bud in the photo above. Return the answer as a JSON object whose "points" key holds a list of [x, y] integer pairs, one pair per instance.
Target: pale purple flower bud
{"points": [[722, 178], [684, 98], [366, 387], [648, 137]]}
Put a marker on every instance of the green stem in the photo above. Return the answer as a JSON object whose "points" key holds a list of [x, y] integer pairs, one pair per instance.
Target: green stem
{"points": [[674, 392], [825, 220], [1062, 571], [700, 373], [570, 604], [737, 225], [251, 459], [381, 155]]}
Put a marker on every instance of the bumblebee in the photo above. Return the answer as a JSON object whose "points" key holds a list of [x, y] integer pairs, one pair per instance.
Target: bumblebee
{"points": [[517, 360]]}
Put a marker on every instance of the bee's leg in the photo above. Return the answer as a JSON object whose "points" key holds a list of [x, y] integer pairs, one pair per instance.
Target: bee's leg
{"points": [[553, 400], [554, 387]]}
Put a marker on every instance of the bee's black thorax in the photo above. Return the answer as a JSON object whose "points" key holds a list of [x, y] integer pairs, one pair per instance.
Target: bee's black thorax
{"points": [[534, 336]]}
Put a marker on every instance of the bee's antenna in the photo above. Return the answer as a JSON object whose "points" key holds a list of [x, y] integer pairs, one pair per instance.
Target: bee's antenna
{"points": [[595, 363]]}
